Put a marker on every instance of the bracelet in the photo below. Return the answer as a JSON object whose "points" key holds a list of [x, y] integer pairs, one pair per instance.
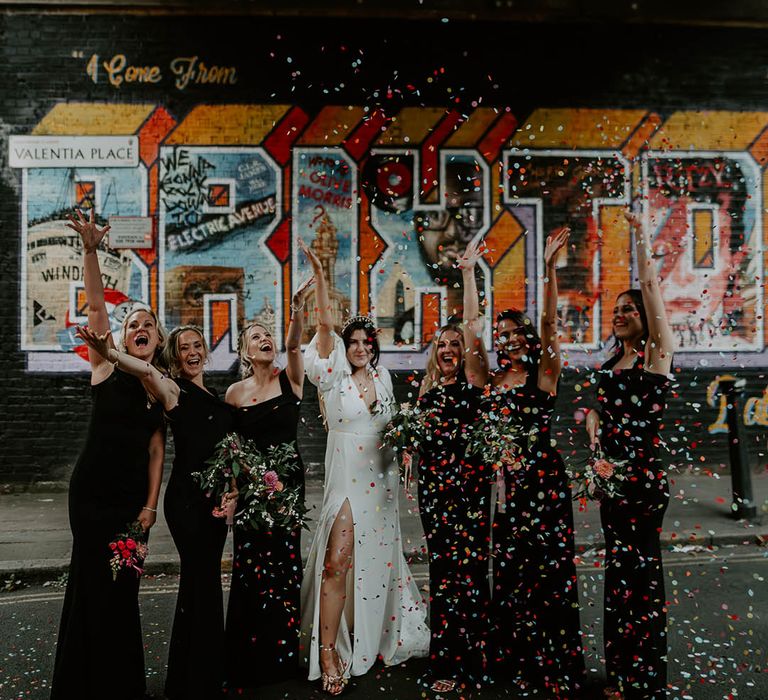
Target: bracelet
{"points": [[296, 309], [151, 510]]}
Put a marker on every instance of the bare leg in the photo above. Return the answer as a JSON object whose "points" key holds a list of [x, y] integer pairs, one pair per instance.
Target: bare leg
{"points": [[333, 593]]}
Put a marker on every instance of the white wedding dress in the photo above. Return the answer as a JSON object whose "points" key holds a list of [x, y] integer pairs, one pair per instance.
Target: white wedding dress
{"points": [[384, 612]]}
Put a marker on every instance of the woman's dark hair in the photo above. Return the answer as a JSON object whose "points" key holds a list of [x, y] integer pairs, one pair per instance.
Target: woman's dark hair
{"points": [[637, 299], [370, 332], [531, 359]]}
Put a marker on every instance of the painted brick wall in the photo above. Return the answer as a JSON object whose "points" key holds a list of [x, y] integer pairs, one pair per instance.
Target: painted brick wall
{"points": [[389, 144]]}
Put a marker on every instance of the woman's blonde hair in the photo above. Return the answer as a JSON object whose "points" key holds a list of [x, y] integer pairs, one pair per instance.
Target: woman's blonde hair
{"points": [[162, 334], [246, 368], [432, 374], [171, 351]]}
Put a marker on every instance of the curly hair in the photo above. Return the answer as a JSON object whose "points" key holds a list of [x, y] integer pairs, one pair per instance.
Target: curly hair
{"points": [[432, 374]]}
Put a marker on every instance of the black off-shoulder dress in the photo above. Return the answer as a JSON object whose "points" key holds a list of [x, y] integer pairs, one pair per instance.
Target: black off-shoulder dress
{"points": [[196, 650], [263, 615]]}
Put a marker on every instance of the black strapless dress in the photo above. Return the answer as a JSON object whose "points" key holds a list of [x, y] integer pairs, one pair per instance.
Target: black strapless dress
{"points": [[196, 650], [263, 615], [100, 652]]}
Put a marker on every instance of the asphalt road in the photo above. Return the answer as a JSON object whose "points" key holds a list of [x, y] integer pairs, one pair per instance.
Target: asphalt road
{"points": [[718, 633]]}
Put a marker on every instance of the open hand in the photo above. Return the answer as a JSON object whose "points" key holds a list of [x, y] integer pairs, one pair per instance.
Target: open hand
{"points": [[298, 295], [554, 243], [90, 233], [473, 252], [100, 342], [317, 266]]}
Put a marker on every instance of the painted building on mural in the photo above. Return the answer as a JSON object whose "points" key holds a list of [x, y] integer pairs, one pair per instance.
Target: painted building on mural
{"points": [[218, 179], [388, 203]]}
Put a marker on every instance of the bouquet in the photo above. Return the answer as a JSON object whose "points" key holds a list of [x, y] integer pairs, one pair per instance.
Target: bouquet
{"points": [[500, 441], [599, 478], [405, 434], [259, 479], [264, 500], [129, 550]]}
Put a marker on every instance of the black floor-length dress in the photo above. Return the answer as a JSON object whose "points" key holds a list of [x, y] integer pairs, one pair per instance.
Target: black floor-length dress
{"points": [[100, 652], [631, 405], [535, 596], [196, 649], [454, 504], [263, 617]]}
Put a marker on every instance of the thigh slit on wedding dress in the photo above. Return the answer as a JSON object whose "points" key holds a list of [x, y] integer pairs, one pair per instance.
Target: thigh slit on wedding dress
{"points": [[334, 587], [382, 604]]}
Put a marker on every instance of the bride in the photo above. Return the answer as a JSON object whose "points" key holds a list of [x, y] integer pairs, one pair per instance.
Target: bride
{"points": [[357, 583]]}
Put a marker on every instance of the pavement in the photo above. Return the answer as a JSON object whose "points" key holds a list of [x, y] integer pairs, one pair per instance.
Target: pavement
{"points": [[35, 540]]}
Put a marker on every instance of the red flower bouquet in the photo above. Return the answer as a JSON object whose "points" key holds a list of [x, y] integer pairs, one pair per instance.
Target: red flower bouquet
{"points": [[129, 550]]}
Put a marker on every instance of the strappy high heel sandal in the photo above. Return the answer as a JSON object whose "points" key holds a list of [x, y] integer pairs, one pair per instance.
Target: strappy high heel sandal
{"points": [[443, 686], [334, 684]]}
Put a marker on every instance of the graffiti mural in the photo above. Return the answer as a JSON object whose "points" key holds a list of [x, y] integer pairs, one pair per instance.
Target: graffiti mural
{"points": [[704, 211], [325, 217], [217, 207], [388, 202]]}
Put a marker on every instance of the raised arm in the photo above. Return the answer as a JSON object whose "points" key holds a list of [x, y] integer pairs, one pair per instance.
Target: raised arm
{"points": [[476, 357], [324, 317], [550, 364], [295, 368], [661, 341], [91, 236], [165, 390]]}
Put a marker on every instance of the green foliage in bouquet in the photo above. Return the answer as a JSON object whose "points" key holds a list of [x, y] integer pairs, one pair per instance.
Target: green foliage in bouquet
{"points": [[233, 458], [265, 502], [597, 478], [497, 438], [407, 432], [260, 478]]}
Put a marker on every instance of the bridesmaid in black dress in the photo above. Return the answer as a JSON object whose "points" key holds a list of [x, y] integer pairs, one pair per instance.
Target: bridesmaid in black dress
{"points": [[263, 617], [632, 395], [116, 481], [454, 499], [535, 596], [198, 420]]}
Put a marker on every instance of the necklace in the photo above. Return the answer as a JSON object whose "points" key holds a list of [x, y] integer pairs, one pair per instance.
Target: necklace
{"points": [[363, 385]]}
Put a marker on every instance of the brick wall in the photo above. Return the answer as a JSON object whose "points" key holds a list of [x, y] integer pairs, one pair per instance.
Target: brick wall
{"points": [[373, 134]]}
